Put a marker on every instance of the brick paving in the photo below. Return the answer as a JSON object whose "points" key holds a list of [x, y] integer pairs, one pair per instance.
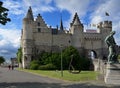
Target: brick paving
{"points": [[19, 79]]}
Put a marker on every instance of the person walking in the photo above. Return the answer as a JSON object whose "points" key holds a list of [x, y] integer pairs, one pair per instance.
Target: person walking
{"points": [[9, 67]]}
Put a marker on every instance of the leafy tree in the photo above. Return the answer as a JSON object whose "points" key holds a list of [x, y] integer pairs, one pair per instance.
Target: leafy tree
{"points": [[71, 53], [3, 14], [44, 58], [118, 56], [2, 59], [19, 55], [49, 61]]}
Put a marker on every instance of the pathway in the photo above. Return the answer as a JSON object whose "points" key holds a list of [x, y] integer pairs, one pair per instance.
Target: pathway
{"points": [[19, 79]]}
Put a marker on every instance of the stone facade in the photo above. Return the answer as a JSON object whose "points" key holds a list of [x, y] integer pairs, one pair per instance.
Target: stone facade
{"points": [[37, 37]]}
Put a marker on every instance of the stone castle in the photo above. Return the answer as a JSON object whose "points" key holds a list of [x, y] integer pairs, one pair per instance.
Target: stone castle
{"points": [[37, 37]]}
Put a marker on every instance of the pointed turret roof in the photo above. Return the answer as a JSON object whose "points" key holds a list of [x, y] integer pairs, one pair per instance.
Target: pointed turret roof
{"points": [[76, 20], [61, 25], [30, 14]]}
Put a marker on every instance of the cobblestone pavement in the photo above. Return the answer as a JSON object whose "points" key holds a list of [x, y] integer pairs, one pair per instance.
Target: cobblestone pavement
{"points": [[19, 79]]}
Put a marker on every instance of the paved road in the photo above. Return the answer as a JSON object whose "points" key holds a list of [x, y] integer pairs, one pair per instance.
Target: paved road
{"points": [[19, 79]]}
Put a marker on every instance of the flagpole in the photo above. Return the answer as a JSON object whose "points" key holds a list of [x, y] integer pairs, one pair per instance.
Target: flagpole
{"points": [[107, 15]]}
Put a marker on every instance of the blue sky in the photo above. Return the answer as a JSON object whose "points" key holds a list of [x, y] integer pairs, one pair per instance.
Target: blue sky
{"points": [[89, 11]]}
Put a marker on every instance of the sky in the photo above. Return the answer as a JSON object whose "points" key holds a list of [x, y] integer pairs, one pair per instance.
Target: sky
{"points": [[89, 12]]}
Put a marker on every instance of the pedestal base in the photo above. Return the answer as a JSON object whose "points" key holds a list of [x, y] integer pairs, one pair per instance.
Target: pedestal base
{"points": [[113, 73]]}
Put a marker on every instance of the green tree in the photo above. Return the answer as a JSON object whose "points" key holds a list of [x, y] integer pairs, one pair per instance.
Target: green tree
{"points": [[51, 61], [3, 14], [2, 59], [119, 58], [78, 62], [19, 55], [44, 58], [55, 59], [71, 53]]}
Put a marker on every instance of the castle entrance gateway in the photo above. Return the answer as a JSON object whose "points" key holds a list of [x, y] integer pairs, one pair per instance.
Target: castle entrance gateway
{"points": [[92, 54]]}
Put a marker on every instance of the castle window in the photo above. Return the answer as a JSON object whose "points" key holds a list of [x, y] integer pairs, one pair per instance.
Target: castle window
{"points": [[54, 31], [37, 51], [38, 23], [39, 30]]}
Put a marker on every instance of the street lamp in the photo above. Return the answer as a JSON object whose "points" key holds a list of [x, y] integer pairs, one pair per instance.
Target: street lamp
{"points": [[61, 61]]}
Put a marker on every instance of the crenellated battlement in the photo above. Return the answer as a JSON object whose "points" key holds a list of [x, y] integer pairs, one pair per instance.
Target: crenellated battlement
{"points": [[105, 24]]}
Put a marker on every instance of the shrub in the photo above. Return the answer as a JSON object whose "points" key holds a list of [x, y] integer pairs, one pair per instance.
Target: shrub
{"points": [[34, 65], [52, 61], [47, 67]]}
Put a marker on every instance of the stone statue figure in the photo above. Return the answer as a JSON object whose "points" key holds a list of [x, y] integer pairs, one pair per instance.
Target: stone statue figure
{"points": [[109, 40]]}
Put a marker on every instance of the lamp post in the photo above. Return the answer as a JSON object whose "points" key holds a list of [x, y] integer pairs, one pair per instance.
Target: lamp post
{"points": [[61, 62]]}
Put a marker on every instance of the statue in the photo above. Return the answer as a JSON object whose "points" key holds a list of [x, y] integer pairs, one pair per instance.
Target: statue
{"points": [[109, 40]]}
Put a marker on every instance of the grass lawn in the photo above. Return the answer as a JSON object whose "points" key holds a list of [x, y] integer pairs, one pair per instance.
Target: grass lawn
{"points": [[82, 76]]}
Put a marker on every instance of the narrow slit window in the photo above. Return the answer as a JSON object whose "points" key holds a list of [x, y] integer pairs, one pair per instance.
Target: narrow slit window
{"points": [[39, 30], [38, 23]]}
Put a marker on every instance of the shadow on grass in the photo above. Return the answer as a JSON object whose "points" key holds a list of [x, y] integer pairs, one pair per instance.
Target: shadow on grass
{"points": [[52, 85]]}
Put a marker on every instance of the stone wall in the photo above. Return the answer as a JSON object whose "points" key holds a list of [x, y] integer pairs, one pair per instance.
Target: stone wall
{"points": [[42, 38]]}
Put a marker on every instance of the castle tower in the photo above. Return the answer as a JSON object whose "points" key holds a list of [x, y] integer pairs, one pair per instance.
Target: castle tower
{"points": [[105, 28], [76, 25], [30, 14], [27, 38], [77, 31]]}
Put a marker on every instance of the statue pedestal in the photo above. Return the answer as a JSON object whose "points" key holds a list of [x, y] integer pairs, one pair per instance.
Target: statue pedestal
{"points": [[112, 73]]}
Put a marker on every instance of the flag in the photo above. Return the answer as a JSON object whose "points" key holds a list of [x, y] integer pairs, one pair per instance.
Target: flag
{"points": [[106, 13]]}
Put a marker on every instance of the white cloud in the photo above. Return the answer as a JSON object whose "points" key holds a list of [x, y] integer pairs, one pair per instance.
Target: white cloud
{"points": [[39, 6], [14, 7], [9, 42], [112, 7], [116, 27], [72, 6], [48, 8], [79, 6], [20, 7], [10, 36]]}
